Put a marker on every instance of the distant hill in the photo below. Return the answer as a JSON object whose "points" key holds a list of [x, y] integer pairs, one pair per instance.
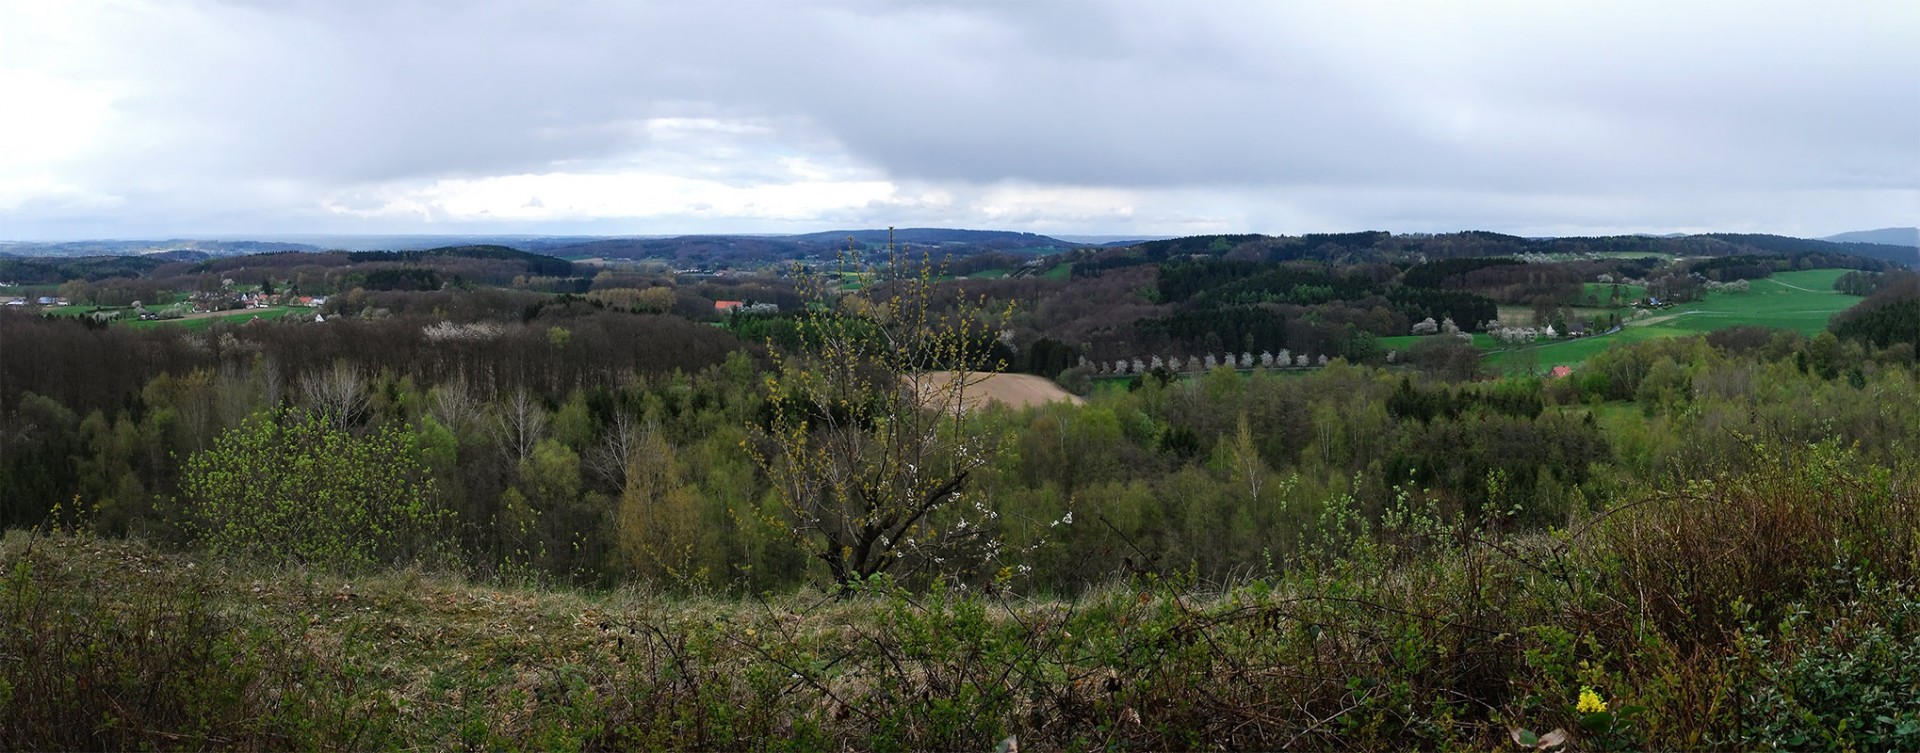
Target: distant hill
{"points": [[997, 240], [210, 248], [421, 242], [1378, 246], [692, 250], [50, 270], [538, 264], [187, 254], [1112, 240], [1895, 245], [1888, 236], [1780, 244]]}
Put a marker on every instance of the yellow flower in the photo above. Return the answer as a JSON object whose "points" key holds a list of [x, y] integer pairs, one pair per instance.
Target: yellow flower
{"points": [[1590, 702]]}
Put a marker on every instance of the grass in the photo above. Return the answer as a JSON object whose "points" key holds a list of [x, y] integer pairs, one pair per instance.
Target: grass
{"points": [[242, 315], [1404, 342], [1801, 301], [1603, 292], [1059, 272]]}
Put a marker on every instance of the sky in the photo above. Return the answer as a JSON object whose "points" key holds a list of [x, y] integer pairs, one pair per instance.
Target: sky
{"points": [[205, 118]]}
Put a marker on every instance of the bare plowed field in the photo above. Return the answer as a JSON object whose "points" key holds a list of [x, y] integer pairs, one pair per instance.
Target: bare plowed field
{"points": [[1011, 390]]}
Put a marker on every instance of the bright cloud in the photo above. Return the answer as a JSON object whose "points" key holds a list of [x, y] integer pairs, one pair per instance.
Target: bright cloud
{"points": [[132, 117]]}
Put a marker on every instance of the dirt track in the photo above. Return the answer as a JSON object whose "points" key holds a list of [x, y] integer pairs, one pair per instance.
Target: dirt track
{"points": [[1011, 390]]}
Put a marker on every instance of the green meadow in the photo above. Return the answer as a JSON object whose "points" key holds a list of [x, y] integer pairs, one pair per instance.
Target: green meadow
{"points": [[200, 323], [1801, 301], [1602, 291]]}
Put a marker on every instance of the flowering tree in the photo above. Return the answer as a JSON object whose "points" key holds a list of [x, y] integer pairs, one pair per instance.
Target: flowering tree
{"points": [[867, 444]]}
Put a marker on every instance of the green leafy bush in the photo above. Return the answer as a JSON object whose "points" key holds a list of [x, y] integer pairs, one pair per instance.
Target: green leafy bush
{"points": [[294, 489]]}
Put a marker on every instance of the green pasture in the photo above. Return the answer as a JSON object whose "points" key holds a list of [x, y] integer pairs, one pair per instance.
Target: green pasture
{"points": [[1603, 291], [238, 315], [1403, 342], [1801, 301]]}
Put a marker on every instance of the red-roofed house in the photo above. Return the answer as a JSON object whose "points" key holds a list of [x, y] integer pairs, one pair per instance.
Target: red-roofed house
{"points": [[1561, 372], [727, 306]]}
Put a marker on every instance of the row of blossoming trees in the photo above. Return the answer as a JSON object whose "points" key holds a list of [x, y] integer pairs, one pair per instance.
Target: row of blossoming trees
{"points": [[1285, 359]]}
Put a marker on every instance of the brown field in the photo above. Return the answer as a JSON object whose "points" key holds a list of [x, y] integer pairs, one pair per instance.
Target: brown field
{"points": [[1011, 390]]}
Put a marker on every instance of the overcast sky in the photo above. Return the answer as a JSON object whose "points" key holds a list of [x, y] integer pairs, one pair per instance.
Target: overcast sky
{"points": [[194, 118]]}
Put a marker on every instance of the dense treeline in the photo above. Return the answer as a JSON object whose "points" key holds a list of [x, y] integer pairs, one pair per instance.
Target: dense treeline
{"points": [[1436, 273], [532, 264], [1754, 266], [56, 270], [1381, 247], [1468, 310], [1887, 318], [402, 278], [1859, 283], [91, 368], [565, 448], [1306, 307]]}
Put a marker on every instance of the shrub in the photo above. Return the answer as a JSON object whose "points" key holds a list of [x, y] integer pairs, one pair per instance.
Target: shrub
{"points": [[296, 490], [1766, 539]]}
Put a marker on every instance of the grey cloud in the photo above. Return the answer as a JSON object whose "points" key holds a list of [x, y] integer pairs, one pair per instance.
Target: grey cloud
{"points": [[1498, 114]]}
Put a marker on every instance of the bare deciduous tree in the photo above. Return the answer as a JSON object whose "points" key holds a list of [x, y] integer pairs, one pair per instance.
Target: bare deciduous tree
{"points": [[521, 424], [272, 380], [614, 455], [455, 406], [338, 394]]}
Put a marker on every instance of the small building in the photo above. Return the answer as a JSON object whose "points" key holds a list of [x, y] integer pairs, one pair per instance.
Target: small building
{"points": [[1561, 372], [727, 307]]}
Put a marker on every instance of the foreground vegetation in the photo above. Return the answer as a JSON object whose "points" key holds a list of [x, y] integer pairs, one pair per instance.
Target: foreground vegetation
{"points": [[501, 518], [1774, 607]]}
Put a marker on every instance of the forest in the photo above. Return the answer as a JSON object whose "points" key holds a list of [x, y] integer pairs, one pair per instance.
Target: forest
{"points": [[705, 527]]}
